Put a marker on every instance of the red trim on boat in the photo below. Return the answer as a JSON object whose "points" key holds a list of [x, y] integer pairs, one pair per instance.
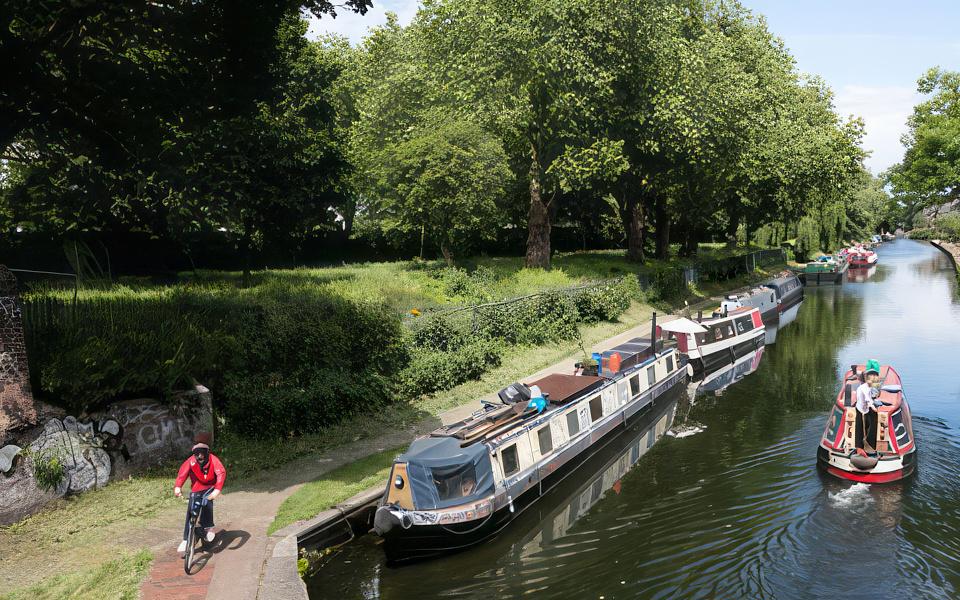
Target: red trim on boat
{"points": [[867, 477], [757, 321]]}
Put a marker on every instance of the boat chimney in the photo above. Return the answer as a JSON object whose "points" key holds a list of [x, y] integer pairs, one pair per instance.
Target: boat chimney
{"points": [[653, 331]]}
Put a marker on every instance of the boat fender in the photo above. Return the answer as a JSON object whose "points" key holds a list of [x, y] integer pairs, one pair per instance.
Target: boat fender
{"points": [[863, 463], [384, 520], [406, 521]]}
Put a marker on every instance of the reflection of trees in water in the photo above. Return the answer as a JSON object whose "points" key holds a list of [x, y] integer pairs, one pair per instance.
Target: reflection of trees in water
{"points": [[798, 375]]}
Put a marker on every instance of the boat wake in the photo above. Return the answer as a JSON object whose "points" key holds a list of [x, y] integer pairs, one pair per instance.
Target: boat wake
{"points": [[855, 496]]}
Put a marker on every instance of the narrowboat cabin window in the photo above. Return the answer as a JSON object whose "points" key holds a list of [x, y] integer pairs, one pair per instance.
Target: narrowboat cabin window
{"points": [[573, 423], [634, 385], [545, 438], [651, 375], [669, 364], [744, 324], [508, 458], [596, 408]]}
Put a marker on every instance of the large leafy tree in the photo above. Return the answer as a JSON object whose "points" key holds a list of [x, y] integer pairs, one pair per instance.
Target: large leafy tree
{"points": [[929, 174]]}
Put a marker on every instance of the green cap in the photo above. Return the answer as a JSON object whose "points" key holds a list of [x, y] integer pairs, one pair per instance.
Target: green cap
{"points": [[873, 366]]}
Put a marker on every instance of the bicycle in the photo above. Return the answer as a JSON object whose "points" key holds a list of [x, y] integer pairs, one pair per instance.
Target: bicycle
{"points": [[197, 502]]}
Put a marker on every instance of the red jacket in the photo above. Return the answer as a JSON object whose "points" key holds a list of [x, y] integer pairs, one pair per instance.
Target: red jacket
{"points": [[213, 478]]}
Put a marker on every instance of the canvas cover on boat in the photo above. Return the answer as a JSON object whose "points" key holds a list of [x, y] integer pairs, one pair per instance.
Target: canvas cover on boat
{"points": [[683, 325], [632, 352], [442, 473]]}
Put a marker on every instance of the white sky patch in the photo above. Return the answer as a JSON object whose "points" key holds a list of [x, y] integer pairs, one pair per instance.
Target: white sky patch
{"points": [[354, 26], [885, 110]]}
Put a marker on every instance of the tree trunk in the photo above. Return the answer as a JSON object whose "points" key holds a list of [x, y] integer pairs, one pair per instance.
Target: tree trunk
{"points": [[447, 254], [538, 220], [662, 218], [635, 237], [732, 227]]}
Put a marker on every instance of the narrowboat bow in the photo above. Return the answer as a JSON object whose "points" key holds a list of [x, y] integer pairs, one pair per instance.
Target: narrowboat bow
{"points": [[889, 453]]}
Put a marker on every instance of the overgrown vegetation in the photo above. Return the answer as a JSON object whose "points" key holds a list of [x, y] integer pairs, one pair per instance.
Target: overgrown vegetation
{"points": [[118, 579], [300, 350]]}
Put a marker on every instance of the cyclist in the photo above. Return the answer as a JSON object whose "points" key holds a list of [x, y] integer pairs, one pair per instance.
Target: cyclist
{"points": [[205, 472]]}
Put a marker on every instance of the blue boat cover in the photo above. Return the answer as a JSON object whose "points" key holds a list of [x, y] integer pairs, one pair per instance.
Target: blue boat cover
{"points": [[442, 473]]}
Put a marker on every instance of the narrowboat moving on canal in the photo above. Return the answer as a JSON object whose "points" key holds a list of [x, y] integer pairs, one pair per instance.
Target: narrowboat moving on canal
{"points": [[888, 453], [712, 343], [465, 482]]}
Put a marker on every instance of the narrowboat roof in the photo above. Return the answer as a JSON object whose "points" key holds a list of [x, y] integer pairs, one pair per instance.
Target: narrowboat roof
{"points": [[684, 325], [779, 281], [560, 387]]}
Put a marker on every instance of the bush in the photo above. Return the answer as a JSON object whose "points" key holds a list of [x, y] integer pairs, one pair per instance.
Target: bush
{"points": [[606, 302], [433, 370], [542, 318], [281, 358], [438, 333]]}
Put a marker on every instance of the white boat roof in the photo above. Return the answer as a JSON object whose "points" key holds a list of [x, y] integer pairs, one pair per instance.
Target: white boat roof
{"points": [[683, 325]]}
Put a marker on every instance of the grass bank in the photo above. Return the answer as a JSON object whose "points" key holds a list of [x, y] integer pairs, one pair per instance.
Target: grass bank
{"points": [[118, 579], [333, 488]]}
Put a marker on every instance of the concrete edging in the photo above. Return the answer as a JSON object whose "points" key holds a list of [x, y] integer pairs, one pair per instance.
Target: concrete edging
{"points": [[942, 246], [281, 578]]}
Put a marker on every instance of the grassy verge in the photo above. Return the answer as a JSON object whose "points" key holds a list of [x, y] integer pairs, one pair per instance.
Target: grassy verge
{"points": [[118, 579], [333, 488]]}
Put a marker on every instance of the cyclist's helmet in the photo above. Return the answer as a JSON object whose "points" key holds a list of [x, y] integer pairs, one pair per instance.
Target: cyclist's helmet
{"points": [[201, 452]]}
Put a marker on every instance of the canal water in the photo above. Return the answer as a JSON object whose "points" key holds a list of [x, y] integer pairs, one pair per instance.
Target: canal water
{"points": [[740, 509]]}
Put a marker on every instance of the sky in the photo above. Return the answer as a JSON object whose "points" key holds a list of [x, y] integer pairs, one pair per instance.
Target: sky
{"points": [[871, 52]]}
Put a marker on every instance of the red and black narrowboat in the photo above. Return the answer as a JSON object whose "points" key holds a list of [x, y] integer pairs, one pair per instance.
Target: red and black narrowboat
{"points": [[886, 454]]}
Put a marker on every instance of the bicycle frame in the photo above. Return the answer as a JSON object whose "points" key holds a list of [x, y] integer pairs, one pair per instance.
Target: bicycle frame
{"points": [[197, 503]]}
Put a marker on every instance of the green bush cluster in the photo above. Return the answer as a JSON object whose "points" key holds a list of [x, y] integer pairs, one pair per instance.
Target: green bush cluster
{"points": [[473, 286], [282, 358], [606, 302], [432, 370], [946, 227]]}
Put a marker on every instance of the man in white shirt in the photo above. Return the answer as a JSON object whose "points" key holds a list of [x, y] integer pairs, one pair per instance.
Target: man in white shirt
{"points": [[866, 408]]}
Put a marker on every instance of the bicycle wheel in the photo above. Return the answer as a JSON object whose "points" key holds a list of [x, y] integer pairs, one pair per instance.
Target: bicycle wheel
{"points": [[191, 544]]}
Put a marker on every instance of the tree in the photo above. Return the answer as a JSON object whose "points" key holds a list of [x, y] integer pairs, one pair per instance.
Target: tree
{"points": [[443, 182], [929, 174], [533, 72]]}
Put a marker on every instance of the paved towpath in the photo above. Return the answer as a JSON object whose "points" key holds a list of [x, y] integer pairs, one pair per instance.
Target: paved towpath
{"points": [[235, 566]]}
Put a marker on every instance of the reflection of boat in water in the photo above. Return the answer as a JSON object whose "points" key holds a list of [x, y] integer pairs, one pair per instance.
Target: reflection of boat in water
{"points": [[889, 452], [465, 482], [862, 274], [717, 381], [786, 317]]}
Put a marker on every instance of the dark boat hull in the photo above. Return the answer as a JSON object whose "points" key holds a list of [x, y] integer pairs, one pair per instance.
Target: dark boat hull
{"points": [[422, 542]]}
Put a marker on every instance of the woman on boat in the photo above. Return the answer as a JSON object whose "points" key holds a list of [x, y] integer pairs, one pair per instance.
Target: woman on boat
{"points": [[866, 394]]}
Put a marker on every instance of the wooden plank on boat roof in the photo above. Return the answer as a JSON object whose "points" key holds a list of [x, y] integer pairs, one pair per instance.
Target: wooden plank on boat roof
{"points": [[562, 387]]}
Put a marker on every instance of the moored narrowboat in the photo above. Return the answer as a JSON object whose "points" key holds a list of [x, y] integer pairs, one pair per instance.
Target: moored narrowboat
{"points": [[788, 290], [712, 343], [861, 257], [466, 481], [853, 447]]}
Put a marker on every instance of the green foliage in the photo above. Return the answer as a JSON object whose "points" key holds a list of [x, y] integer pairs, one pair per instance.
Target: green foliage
{"points": [[929, 174], [117, 579], [807, 245], [48, 469], [606, 302], [282, 358], [432, 370]]}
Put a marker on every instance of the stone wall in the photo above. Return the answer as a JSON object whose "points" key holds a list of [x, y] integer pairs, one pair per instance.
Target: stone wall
{"points": [[126, 438], [17, 407]]}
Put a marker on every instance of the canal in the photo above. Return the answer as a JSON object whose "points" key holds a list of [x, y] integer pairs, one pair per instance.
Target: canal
{"points": [[740, 510]]}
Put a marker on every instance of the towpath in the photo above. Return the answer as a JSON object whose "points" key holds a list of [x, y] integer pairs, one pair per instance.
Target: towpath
{"points": [[237, 564]]}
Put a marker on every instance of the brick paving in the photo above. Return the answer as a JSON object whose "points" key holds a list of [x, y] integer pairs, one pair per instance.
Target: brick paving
{"points": [[167, 580]]}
